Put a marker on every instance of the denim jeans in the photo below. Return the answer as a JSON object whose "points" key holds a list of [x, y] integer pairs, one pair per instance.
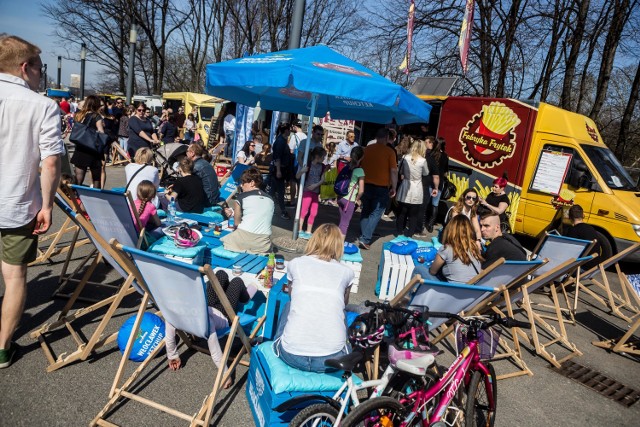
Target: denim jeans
{"points": [[277, 191], [423, 271], [228, 149], [374, 202]]}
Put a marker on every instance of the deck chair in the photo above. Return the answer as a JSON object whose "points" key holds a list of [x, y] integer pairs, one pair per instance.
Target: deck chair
{"points": [[179, 291], [54, 247], [539, 326], [118, 155], [111, 217], [229, 185], [558, 249], [616, 302], [504, 275]]}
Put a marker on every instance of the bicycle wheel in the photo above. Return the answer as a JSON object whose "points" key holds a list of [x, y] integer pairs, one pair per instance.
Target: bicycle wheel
{"points": [[379, 412], [477, 411], [317, 415]]}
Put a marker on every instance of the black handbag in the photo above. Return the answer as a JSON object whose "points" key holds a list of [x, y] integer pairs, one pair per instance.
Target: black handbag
{"points": [[89, 138], [448, 189]]}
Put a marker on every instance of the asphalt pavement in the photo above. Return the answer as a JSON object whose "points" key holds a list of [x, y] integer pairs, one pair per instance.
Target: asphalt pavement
{"points": [[73, 395]]}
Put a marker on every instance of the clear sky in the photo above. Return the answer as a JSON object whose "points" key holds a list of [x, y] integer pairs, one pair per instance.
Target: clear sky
{"points": [[24, 19]]}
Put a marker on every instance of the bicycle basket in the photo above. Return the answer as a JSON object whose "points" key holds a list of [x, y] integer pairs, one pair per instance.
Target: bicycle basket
{"points": [[487, 340], [367, 330]]}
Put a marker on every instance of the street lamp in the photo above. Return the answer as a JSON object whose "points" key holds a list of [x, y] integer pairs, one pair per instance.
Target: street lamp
{"points": [[83, 57], [133, 38], [59, 71]]}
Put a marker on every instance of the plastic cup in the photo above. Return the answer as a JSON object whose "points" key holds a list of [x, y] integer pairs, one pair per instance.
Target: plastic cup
{"points": [[237, 270]]}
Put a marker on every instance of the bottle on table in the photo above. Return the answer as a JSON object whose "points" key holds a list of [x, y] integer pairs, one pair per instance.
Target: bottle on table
{"points": [[271, 266], [231, 223], [171, 211]]}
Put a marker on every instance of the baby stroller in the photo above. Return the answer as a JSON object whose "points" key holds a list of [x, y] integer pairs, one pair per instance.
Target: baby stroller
{"points": [[164, 157]]}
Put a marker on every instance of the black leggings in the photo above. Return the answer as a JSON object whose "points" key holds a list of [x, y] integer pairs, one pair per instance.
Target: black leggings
{"points": [[412, 211]]}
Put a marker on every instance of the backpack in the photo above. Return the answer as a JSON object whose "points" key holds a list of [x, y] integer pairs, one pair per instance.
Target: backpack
{"points": [[343, 180]]}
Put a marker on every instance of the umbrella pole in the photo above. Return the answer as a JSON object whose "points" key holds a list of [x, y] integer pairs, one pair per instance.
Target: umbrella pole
{"points": [[296, 221]]}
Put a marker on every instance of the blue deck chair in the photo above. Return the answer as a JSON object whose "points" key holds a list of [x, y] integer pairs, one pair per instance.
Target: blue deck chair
{"points": [[557, 249], [110, 217], [539, 325], [230, 186], [179, 291], [499, 276]]}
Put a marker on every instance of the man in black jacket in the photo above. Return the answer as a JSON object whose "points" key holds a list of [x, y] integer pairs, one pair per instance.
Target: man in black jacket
{"points": [[501, 245]]}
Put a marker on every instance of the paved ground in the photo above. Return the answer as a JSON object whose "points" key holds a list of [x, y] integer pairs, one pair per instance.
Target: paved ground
{"points": [[75, 394]]}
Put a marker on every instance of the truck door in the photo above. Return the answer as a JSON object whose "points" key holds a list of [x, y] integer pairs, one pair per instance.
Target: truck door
{"points": [[539, 214]]}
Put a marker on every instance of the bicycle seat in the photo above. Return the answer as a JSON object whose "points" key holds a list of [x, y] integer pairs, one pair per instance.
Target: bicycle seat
{"points": [[416, 366], [344, 363]]}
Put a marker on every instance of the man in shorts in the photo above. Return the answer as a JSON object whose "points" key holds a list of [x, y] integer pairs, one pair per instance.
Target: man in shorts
{"points": [[29, 138]]}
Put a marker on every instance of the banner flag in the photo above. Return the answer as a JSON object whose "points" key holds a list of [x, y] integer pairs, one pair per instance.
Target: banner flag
{"points": [[275, 119], [465, 34], [410, 19], [244, 120]]}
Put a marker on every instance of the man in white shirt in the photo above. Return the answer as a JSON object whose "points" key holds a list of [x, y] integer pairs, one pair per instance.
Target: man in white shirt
{"points": [[29, 134], [343, 151], [229, 127]]}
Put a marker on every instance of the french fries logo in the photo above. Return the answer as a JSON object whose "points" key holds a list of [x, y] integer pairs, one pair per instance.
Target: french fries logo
{"points": [[564, 199], [489, 136]]}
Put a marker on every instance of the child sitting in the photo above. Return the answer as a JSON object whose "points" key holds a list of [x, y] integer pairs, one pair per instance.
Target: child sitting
{"points": [[315, 171], [144, 206], [187, 191]]}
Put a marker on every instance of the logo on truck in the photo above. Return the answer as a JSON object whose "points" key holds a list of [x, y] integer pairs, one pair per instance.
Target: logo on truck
{"points": [[489, 137]]}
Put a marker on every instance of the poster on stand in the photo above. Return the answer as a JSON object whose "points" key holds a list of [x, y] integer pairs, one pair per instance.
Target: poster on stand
{"points": [[551, 171]]}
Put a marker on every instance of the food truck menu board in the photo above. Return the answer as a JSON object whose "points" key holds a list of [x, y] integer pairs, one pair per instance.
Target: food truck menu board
{"points": [[551, 171]]}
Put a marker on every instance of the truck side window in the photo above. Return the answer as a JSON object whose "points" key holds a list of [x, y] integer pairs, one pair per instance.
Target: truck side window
{"points": [[576, 160]]}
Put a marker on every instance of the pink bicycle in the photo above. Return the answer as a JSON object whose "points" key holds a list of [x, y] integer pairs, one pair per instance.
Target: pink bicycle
{"points": [[465, 395]]}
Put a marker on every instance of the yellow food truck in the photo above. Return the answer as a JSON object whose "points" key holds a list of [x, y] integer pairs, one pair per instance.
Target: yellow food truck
{"points": [[207, 107], [551, 157]]}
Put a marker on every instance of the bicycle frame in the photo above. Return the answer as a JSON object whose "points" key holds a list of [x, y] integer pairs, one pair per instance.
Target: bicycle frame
{"points": [[457, 374]]}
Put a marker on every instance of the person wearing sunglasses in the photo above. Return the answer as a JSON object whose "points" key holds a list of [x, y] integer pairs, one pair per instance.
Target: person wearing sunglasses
{"points": [[141, 133], [467, 205], [247, 155]]}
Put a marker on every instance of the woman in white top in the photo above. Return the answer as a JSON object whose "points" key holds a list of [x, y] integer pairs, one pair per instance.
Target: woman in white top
{"points": [[247, 155], [140, 171], [410, 194], [314, 327]]}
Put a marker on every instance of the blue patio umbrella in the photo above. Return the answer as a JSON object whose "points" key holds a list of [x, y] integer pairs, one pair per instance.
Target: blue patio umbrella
{"points": [[313, 81]]}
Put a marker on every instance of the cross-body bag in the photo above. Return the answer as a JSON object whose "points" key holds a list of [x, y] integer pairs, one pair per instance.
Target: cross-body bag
{"points": [[133, 176]]}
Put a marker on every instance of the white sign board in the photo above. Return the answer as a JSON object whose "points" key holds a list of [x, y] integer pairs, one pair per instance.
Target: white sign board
{"points": [[551, 171]]}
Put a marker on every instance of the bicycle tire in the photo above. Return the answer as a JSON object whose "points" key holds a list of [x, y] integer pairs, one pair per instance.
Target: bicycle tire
{"points": [[380, 411], [316, 415], [477, 411]]}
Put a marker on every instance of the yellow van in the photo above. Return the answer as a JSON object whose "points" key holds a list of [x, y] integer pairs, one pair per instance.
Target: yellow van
{"points": [[207, 107], [551, 157]]}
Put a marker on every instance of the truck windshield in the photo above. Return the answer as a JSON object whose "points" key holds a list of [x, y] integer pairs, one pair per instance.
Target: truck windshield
{"points": [[206, 113], [609, 167]]}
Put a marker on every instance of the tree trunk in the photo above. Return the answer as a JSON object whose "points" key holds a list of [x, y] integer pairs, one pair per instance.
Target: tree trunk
{"points": [[574, 52], [623, 134]]}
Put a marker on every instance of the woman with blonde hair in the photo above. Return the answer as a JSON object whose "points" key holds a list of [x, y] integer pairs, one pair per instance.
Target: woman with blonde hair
{"points": [[141, 170], [84, 158], [312, 327], [459, 259], [410, 194]]}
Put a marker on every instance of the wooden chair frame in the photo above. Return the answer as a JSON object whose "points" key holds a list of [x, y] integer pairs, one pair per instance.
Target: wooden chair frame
{"points": [[66, 318], [118, 155], [124, 391], [615, 302]]}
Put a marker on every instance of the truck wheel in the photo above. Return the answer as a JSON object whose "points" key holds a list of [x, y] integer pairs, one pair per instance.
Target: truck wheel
{"points": [[605, 247]]}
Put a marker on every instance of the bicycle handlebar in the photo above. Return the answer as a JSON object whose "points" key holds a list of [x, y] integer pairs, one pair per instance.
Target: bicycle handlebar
{"points": [[509, 322]]}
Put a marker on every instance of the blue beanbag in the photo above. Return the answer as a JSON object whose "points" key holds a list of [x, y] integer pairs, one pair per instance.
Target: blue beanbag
{"points": [[404, 248], [350, 248], [427, 254], [150, 334]]}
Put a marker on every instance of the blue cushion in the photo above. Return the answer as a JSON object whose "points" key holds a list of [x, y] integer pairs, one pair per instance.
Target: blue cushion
{"points": [[420, 243], [427, 253], [166, 246], [350, 248], [404, 248], [356, 257], [284, 378], [224, 253]]}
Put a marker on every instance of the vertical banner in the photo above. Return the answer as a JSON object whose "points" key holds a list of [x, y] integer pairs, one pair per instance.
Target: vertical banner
{"points": [[465, 34], [412, 12], [274, 127], [244, 120]]}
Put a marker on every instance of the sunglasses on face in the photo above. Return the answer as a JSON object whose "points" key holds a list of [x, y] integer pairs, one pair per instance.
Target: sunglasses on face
{"points": [[474, 198], [141, 111]]}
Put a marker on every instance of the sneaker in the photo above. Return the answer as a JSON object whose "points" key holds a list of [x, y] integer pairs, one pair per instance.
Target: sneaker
{"points": [[304, 235], [7, 355], [387, 218], [362, 245], [285, 215]]}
